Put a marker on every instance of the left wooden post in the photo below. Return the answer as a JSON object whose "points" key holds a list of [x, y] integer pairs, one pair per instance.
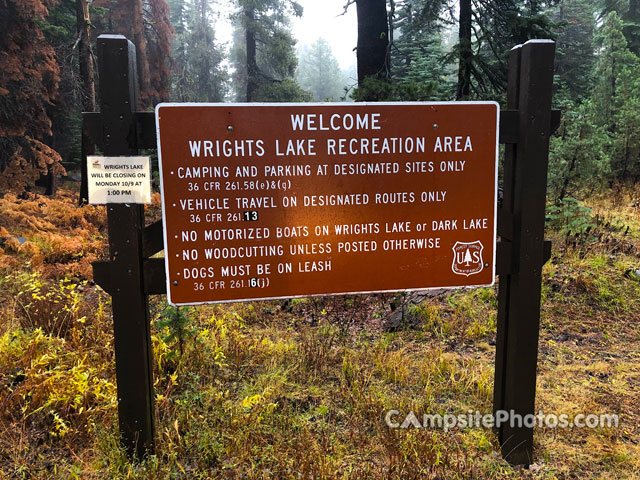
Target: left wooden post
{"points": [[132, 340]]}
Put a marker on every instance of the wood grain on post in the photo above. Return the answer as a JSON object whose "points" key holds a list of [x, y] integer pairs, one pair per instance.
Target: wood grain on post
{"points": [[520, 292], [506, 233], [132, 342]]}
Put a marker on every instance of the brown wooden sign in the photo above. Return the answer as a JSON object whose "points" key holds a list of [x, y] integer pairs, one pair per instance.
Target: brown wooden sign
{"points": [[356, 147], [267, 201]]}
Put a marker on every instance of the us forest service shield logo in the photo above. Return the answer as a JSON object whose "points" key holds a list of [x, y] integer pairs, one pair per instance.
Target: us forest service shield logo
{"points": [[467, 258]]}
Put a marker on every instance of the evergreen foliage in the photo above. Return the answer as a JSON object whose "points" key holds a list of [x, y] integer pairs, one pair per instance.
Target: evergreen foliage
{"points": [[263, 52], [575, 51], [598, 144], [198, 71], [319, 72], [499, 25], [629, 13], [59, 29], [428, 58], [418, 52], [579, 152]]}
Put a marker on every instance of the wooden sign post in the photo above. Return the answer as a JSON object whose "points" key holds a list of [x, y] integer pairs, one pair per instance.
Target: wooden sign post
{"points": [[132, 341], [131, 275], [523, 208]]}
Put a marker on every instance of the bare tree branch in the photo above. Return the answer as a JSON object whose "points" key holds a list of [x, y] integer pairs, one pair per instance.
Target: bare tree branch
{"points": [[346, 7]]}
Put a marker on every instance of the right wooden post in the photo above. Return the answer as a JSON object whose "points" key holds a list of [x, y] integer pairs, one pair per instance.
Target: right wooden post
{"points": [[525, 186]]}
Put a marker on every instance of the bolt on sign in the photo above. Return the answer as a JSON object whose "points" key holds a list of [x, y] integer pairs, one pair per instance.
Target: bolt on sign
{"points": [[268, 201]]}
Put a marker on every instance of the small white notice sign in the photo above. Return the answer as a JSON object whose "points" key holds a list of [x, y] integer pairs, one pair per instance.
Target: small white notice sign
{"points": [[119, 179]]}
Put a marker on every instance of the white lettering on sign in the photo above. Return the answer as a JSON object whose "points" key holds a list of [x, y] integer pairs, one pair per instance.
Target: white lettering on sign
{"points": [[266, 201], [453, 144], [226, 148], [119, 180], [314, 121]]}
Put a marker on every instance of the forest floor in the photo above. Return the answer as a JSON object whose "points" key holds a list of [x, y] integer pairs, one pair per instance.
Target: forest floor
{"points": [[299, 389]]}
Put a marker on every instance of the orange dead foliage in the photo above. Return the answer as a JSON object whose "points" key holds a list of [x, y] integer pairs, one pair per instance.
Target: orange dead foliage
{"points": [[26, 165], [62, 239], [29, 85]]}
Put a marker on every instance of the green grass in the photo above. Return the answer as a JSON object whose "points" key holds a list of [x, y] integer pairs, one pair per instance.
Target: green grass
{"points": [[300, 390]]}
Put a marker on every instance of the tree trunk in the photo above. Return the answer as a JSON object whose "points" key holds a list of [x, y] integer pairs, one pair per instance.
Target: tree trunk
{"points": [[567, 178], [625, 164], [205, 69], [85, 60], [141, 53], [252, 63], [83, 29], [392, 12], [612, 98], [631, 29], [464, 65], [373, 40]]}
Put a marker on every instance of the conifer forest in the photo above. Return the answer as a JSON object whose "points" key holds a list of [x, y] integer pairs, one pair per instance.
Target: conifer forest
{"points": [[317, 387]]}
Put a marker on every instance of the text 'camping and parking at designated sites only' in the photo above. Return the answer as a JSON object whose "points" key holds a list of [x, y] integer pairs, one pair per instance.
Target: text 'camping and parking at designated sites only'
{"points": [[268, 201]]}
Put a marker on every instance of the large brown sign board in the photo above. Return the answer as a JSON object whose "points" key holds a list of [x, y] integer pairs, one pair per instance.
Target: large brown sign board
{"points": [[268, 201]]}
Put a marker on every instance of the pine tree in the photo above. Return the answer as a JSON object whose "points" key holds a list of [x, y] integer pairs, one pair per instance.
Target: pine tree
{"points": [[579, 153], [467, 257], [631, 28], [575, 52], [465, 51], [613, 58], [180, 80], [159, 35], [615, 97], [629, 13], [199, 75], [85, 55], [28, 88], [419, 68], [319, 72], [60, 29], [263, 53], [136, 11], [627, 119], [498, 25]]}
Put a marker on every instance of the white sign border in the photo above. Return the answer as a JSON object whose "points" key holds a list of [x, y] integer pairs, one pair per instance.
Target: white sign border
{"points": [[326, 104]]}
